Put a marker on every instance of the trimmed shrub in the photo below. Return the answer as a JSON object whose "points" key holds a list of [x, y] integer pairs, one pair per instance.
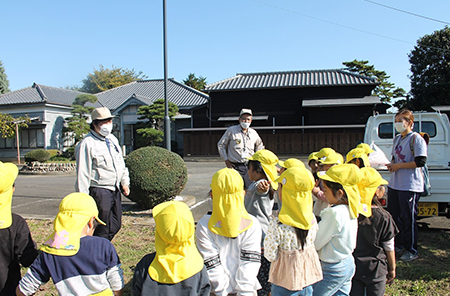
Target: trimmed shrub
{"points": [[53, 152], [39, 155], [156, 175]]}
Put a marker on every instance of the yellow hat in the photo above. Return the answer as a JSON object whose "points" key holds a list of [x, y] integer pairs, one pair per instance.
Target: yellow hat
{"points": [[371, 180], [332, 158], [291, 162], [228, 204], [324, 152], [268, 160], [349, 176], [297, 206], [313, 156], [177, 257], [366, 148], [358, 153], [8, 175], [75, 211]]}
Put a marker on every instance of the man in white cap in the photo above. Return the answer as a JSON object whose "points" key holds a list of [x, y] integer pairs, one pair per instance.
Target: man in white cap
{"points": [[238, 143], [101, 171]]}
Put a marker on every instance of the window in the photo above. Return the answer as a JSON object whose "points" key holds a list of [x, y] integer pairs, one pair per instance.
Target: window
{"points": [[385, 129], [28, 138]]}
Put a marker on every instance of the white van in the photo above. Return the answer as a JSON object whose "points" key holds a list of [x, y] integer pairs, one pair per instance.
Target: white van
{"points": [[380, 130]]}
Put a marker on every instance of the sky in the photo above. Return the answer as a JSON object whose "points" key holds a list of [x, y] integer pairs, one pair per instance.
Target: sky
{"points": [[58, 43]]}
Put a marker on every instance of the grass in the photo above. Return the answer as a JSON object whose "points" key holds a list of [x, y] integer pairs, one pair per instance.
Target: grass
{"points": [[427, 275]]}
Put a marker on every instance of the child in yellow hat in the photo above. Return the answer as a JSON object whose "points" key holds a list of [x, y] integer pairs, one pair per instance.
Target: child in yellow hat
{"points": [[359, 157], [77, 262], [229, 238], [16, 245], [289, 243], [336, 238], [375, 253], [176, 268], [259, 201], [332, 158]]}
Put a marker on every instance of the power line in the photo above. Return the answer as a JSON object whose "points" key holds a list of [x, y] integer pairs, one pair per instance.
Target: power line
{"points": [[407, 12], [329, 22], [345, 26]]}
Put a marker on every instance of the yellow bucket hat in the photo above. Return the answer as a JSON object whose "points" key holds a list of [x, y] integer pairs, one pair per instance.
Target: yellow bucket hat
{"points": [[332, 158], [349, 176], [228, 204], [268, 160], [358, 153], [366, 148], [177, 257], [291, 163], [313, 156], [371, 180], [324, 152], [75, 211], [8, 175], [297, 206]]}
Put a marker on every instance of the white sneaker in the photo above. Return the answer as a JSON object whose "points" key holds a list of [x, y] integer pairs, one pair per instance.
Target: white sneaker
{"points": [[408, 256]]}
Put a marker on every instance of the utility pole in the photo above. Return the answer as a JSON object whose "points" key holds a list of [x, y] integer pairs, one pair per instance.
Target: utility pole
{"points": [[166, 101]]}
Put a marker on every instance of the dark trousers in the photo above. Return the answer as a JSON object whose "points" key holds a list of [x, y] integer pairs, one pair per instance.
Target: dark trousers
{"points": [[243, 171], [403, 206], [109, 206], [368, 287]]}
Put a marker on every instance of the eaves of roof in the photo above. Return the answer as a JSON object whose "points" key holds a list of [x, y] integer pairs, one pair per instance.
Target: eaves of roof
{"points": [[291, 79]]}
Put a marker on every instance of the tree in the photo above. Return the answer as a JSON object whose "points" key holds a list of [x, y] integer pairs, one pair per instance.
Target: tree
{"points": [[150, 132], [4, 83], [77, 125], [430, 67], [385, 90], [8, 124], [104, 79], [198, 83]]}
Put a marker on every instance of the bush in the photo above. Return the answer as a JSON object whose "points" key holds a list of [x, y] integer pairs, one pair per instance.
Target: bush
{"points": [[53, 152], [40, 155], [156, 175]]}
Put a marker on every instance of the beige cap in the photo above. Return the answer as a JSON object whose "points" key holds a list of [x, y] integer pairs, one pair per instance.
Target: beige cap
{"points": [[246, 111], [101, 113]]}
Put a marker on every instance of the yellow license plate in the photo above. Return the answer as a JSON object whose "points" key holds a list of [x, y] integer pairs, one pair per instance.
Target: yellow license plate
{"points": [[428, 209]]}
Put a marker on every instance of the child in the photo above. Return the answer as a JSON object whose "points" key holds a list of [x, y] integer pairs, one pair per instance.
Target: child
{"points": [[336, 238], [229, 239], [259, 201], [359, 157], [16, 245], [325, 163], [313, 162], [290, 163], [374, 254], [77, 262], [366, 148], [289, 243], [177, 267]]}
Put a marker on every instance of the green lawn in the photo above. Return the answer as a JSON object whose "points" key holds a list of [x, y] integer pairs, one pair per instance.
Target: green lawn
{"points": [[428, 275]]}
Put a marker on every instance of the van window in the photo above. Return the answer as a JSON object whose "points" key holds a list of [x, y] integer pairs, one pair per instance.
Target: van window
{"points": [[385, 129]]}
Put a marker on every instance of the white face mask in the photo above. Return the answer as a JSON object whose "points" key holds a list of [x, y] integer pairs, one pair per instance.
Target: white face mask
{"points": [[105, 129], [400, 127], [245, 125]]}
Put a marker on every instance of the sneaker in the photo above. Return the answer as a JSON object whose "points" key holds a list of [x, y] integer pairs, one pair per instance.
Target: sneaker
{"points": [[399, 251], [408, 256]]}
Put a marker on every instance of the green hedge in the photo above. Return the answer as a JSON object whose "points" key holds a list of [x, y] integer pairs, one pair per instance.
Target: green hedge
{"points": [[40, 155], [156, 175]]}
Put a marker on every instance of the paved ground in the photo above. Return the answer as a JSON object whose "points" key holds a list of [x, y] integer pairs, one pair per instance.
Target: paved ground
{"points": [[38, 196]]}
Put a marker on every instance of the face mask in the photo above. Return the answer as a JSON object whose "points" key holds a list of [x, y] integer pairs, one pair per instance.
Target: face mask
{"points": [[400, 127], [245, 125], [105, 129]]}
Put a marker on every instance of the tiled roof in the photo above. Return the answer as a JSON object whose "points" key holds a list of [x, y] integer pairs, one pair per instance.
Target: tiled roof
{"points": [[310, 78], [38, 93], [150, 90]]}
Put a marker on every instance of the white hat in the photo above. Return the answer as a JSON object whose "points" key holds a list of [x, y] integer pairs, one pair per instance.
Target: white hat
{"points": [[101, 113], [246, 111]]}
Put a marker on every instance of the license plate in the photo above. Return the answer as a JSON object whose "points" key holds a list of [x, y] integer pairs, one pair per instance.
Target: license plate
{"points": [[428, 209]]}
